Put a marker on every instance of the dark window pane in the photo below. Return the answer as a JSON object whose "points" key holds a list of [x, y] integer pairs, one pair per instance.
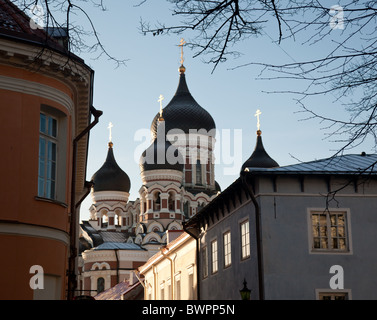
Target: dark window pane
{"points": [[42, 123], [42, 148], [40, 187]]}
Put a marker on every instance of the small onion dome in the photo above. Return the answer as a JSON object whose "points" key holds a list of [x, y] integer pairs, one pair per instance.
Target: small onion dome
{"points": [[183, 112], [161, 154], [110, 177], [217, 187], [259, 158]]}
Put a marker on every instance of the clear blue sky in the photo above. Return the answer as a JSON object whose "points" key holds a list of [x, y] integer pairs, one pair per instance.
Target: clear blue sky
{"points": [[128, 95]]}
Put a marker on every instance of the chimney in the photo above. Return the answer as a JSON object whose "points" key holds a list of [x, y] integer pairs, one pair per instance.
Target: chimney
{"points": [[172, 235]]}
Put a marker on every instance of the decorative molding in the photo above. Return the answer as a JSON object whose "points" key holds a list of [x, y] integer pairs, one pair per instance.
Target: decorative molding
{"points": [[102, 196], [27, 230], [37, 89]]}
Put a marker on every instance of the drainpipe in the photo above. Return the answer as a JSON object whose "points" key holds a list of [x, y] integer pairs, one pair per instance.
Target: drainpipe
{"points": [[196, 237], [72, 282], [172, 271], [258, 234], [138, 278], [117, 258], [154, 281]]}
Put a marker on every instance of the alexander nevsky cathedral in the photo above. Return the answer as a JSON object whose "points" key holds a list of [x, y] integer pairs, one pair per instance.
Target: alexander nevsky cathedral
{"points": [[177, 180]]}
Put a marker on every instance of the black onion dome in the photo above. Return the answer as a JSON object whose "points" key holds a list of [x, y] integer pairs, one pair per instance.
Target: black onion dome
{"points": [[259, 158], [161, 154], [110, 177], [183, 112]]}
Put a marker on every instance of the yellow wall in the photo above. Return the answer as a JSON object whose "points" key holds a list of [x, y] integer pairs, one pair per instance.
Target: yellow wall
{"points": [[159, 273]]}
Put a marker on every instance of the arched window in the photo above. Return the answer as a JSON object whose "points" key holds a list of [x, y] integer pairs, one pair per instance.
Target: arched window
{"points": [[104, 221], [186, 209], [100, 285], [171, 201], [156, 202], [200, 206], [198, 172]]}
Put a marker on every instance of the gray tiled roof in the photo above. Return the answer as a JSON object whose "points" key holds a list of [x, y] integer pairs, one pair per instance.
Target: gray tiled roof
{"points": [[118, 246], [345, 164], [109, 236]]}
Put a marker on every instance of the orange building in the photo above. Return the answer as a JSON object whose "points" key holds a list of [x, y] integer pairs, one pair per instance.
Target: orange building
{"points": [[45, 117]]}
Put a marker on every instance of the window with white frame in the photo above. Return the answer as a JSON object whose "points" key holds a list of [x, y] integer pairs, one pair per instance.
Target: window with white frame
{"points": [[333, 296], [191, 288], [178, 286], [227, 249], [329, 231], [52, 154], [162, 290], [214, 256], [48, 133], [245, 240], [168, 282]]}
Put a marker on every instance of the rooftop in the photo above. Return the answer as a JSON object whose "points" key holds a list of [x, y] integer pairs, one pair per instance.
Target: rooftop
{"points": [[344, 164]]}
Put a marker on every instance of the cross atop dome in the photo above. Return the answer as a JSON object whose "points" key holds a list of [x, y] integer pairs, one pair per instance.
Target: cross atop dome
{"points": [[160, 99], [182, 69], [110, 135], [257, 114]]}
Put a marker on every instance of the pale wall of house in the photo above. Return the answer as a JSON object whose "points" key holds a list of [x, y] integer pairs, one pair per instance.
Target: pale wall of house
{"points": [[158, 279], [291, 270]]}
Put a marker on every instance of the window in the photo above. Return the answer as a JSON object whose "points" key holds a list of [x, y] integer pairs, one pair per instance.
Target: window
{"points": [[162, 291], [245, 240], [329, 231], [198, 172], [171, 202], [48, 128], [178, 287], [100, 285], [214, 256], [333, 296], [157, 202], [52, 154], [169, 289], [186, 209], [191, 286], [227, 250], [51, 288], [205, 262]]}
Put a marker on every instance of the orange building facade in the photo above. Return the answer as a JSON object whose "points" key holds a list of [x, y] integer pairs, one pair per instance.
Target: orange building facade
{"points": [[45, 105]]}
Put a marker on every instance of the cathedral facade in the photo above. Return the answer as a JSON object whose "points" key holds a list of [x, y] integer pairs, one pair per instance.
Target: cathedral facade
{"points": [[177, 180]]}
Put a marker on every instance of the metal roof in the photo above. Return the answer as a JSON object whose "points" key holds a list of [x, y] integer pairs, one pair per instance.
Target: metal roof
{"points": [[344, 164], [184, 113], [118, 246]]}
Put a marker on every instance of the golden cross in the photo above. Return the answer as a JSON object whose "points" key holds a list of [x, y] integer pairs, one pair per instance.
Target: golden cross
{"points": [[181, 44], [160, 101], [257, 114], [109, 127]]}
